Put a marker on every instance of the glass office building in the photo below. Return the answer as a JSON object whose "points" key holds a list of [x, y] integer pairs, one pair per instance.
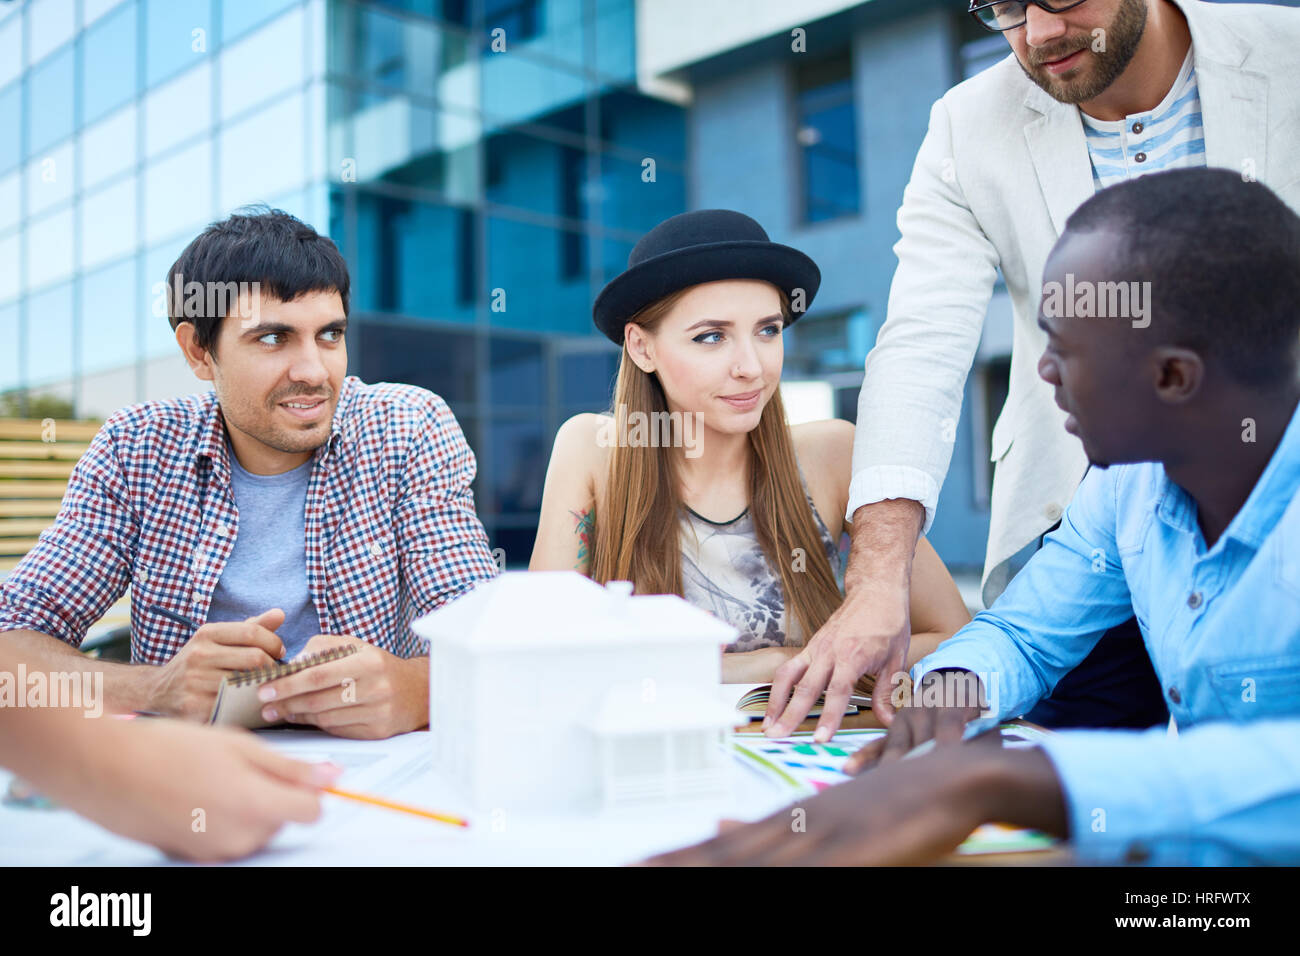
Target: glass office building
{"points": [[485, 166]]}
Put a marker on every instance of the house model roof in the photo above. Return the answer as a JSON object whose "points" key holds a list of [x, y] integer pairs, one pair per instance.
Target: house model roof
{"points": [[565, 609]]}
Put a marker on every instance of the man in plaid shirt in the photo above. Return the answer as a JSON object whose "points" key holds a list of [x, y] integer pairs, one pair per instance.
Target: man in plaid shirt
{"points": [[290, 510]]}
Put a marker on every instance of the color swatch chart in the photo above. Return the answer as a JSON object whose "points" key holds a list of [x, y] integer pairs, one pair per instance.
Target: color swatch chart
{"points": [[798, 762], [809, 768]]}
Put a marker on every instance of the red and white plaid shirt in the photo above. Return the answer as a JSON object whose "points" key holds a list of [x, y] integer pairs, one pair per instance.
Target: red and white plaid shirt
{"points": [[391, 531]]}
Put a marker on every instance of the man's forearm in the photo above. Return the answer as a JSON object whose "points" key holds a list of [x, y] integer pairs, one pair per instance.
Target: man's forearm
{"points": [[884, 543], [754, 667], [127, 687]]}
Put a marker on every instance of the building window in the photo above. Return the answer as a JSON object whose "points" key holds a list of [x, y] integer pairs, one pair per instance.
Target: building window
{"points": [[824, 343], [459, 12], [521, 19], [977, 49], [466, 274], [573, 172], [827, 135]]}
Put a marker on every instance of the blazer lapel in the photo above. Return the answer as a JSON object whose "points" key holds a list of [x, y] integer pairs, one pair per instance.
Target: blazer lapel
{"points": [[1234, 112], [1234, 101], [1060, 156]]}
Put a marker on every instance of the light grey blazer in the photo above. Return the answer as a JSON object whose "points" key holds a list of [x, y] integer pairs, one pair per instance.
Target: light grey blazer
{"points": [[1001, 169]]}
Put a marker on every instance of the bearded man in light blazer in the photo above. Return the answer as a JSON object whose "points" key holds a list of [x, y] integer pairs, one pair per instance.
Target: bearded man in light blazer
{"points": [[1094, 92]]}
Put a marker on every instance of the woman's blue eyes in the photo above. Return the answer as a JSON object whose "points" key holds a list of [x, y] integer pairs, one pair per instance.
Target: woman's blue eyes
{"points": [[713, 338]]}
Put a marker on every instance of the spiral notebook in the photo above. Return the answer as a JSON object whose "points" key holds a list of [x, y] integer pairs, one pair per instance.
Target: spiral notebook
{"points": [[237, 704]]}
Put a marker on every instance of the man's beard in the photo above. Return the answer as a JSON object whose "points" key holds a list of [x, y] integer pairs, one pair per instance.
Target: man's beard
{"points": [[1122, 38], [262, 427]]}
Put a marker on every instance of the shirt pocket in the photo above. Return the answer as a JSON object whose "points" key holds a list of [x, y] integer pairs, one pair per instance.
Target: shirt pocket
{"points": [[1258, 687], [1133, 525], [364, 584], [154, 636], [1004, 430], [1286, 569]]}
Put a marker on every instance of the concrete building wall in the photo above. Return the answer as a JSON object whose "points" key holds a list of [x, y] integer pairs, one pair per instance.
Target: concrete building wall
{"points": [[743, 156]]}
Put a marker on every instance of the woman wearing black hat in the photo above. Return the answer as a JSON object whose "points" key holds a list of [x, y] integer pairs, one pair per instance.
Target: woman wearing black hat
{"points": [[694, 484]]}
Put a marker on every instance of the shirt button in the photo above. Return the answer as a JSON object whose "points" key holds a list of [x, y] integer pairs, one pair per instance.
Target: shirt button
{"points": [[1052, 512], [1176, 697], [1194, 600], [376, 548], [1138, 127], [196, 596], [1140, 158], [1137, 853]]}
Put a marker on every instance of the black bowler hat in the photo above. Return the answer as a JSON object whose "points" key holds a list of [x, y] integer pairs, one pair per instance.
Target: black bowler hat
{"points": [[701, 246]]}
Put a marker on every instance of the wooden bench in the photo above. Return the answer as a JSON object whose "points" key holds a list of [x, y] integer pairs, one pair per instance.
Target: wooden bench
{"points": [[36, 460]]}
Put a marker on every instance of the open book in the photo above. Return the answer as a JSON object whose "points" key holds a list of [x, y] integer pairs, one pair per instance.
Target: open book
{"points": [[751, 700]]}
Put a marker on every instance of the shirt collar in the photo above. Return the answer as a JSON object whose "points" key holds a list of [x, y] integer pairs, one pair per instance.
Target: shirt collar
{"points": [[1263, 506], [1183, 82], [210, 442], [328, 453], [1272, 493]]}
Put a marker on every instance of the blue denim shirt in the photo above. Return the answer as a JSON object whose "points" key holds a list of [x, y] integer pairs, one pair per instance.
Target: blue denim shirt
{"points": [[1222, 626]]}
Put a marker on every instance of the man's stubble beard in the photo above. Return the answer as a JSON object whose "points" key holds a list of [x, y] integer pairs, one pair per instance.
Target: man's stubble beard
{"points": [[286, 440], [1122, 39]]}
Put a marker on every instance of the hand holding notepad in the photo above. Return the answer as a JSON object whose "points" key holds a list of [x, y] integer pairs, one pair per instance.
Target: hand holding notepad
{"points": [[183, 687], [237, 702], [365, 693]]}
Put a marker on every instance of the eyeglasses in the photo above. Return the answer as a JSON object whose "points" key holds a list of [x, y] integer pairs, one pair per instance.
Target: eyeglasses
{"points": [[1002, 15]]}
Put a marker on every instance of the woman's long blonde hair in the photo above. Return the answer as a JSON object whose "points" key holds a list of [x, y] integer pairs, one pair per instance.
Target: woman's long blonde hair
{"points": [[636, 535]]}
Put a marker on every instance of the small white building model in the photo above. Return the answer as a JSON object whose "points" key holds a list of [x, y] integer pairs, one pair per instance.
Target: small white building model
{"points": [[548, 691], [662, 744]]}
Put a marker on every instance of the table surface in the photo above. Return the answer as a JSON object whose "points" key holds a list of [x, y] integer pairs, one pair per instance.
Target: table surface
{"points": [[400, 769]]}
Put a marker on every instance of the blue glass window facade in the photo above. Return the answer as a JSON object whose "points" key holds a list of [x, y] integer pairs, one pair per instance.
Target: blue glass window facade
{"points": [[482, 197], [494, 195], [50, 91], [108, 63], [828, 139]]}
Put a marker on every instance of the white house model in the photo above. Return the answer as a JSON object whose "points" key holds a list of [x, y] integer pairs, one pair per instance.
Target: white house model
{"points": [[548, 691]]}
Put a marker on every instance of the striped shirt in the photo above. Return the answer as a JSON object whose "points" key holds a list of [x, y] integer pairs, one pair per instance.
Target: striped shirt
{"points": [[1168, 137], [390, 526]]}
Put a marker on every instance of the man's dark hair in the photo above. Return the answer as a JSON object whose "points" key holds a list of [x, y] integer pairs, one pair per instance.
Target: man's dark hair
{"points": [[1223, 259], [284, 255]]}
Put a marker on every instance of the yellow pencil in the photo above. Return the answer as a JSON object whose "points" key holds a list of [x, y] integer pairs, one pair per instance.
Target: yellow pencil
{"points": [[404, 808]]}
